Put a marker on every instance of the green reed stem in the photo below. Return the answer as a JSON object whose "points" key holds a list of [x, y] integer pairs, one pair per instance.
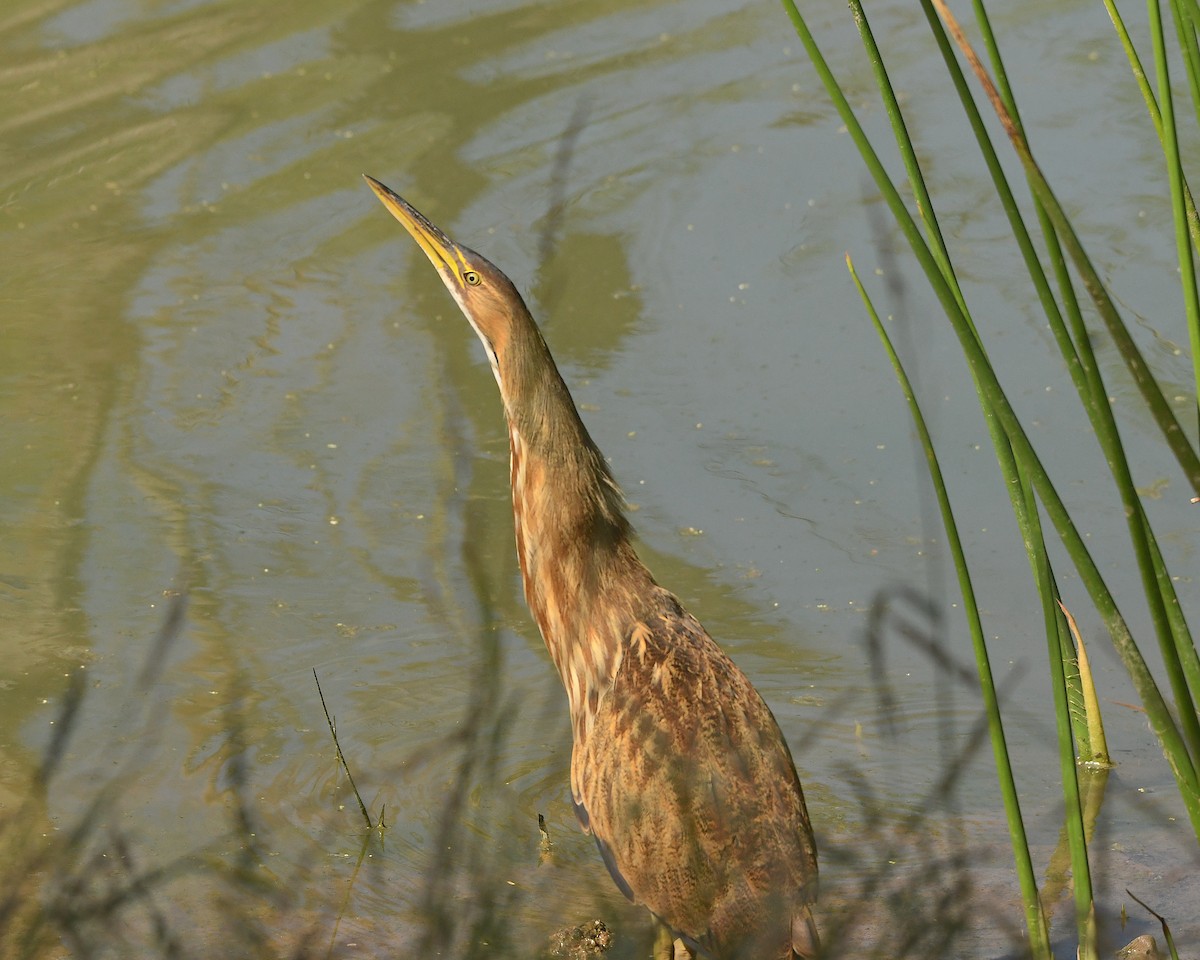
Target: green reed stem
{"points": [[1035, 919]]}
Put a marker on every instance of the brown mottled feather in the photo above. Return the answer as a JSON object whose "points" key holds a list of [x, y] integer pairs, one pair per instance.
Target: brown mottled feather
{"points": [[688, 786]]}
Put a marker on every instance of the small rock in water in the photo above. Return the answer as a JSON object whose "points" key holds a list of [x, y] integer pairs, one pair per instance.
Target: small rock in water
{"points": [[1144, 947], [580, 942]]}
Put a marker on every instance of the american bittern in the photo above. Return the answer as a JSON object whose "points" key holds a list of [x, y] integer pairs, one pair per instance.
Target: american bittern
{"points": [[678, 770]]}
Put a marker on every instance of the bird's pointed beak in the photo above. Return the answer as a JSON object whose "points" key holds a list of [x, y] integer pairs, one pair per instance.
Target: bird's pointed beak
{"points": [[439, 248]]}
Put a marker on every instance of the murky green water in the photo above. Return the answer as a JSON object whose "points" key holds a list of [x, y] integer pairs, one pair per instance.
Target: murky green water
{"points": [[228, 374]]}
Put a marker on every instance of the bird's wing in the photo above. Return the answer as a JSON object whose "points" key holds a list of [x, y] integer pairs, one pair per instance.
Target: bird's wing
{"points": [[688, 786]]}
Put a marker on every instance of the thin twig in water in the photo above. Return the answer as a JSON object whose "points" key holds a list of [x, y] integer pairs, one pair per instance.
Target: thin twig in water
{"points": [[1162, 920], [341, 756]]}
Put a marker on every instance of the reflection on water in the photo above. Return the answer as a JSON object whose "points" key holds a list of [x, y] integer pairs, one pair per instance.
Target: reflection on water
{"points": [[222, 377]]}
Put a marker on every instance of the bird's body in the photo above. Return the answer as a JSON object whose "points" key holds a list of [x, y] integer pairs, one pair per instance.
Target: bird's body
{"points": [[678, 770]]}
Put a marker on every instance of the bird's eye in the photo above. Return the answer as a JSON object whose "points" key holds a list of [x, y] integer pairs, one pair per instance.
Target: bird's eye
{"points": [[472, 278]]}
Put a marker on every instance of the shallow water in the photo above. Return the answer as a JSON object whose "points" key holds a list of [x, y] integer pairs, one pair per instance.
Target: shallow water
{"points": [[228, 374]]}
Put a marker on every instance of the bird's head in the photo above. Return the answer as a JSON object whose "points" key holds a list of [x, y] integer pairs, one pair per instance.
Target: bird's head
{"points": [[485, 295]]}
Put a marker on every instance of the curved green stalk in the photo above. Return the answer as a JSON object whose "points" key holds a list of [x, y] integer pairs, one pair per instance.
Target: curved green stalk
{"points": [[1090, 741], [1035, 918]]}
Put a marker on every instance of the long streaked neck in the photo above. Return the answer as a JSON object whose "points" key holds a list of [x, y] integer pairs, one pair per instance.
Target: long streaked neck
{"points": [[583, 581]]}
